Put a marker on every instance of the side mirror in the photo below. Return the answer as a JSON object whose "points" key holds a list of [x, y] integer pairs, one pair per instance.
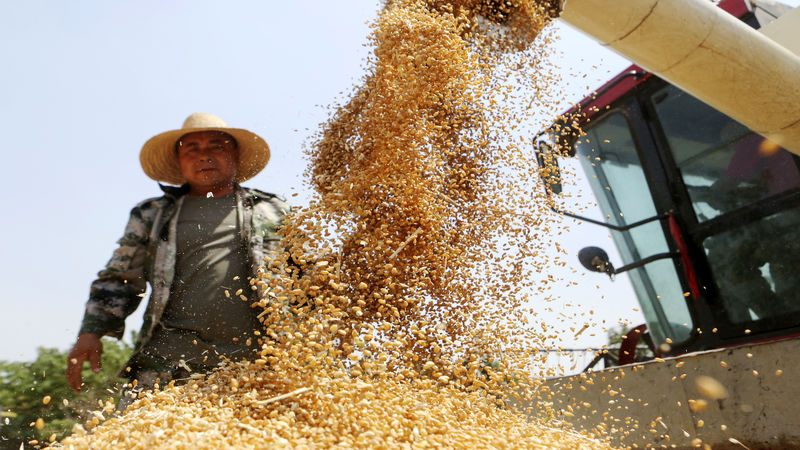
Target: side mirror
{"points": [[596, 259], [549, 171]]}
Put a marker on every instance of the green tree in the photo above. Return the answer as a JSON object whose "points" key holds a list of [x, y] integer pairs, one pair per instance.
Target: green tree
{"points": [[24, 385]]}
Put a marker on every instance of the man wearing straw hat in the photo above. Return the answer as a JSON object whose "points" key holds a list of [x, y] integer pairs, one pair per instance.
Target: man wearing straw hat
{"points": [[197, 246]]}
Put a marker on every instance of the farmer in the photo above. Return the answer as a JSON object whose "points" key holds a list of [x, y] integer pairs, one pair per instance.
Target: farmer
{"points": [[197, 246]]}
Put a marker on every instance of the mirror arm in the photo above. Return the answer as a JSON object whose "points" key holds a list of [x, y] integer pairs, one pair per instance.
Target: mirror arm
{"points": [[608, 225], [649, 259]]}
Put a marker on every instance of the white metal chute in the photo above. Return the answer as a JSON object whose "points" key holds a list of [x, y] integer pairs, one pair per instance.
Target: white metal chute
{"points": [[706, 52]]}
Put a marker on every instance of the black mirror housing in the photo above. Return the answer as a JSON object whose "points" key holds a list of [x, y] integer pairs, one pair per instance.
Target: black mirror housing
{"points": [[596, 259]]}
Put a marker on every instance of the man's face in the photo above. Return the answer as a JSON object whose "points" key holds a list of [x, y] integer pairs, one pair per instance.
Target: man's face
{"points": [[208, 159]]}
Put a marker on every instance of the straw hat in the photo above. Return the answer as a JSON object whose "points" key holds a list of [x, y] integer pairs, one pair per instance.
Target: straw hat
{"points": [[161, 164]]}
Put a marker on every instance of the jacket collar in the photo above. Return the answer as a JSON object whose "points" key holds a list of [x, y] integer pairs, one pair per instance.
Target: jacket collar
{"points": [[174, 192]]}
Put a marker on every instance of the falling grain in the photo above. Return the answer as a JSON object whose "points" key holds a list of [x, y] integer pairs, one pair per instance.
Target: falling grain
{"points": [[397, 313]]}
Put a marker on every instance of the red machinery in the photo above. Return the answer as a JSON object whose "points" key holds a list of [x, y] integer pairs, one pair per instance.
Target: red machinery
{"points": [[703, 211], [705, 215]]}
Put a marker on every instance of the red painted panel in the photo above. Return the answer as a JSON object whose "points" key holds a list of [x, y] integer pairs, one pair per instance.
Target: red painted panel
{"points": [[688, 267], [736, 8], [627, 349], [611, 91]]}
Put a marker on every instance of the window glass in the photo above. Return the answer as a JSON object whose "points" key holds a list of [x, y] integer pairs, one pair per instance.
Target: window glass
{"points": [[608, 155], [724, 165], [755, 268]]}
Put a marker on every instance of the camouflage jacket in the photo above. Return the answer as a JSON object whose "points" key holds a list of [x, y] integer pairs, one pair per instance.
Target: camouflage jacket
{"points": [[147, 254]]}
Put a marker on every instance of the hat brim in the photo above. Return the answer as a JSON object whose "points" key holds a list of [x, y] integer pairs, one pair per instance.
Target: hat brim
{"points": [[160, 162]]}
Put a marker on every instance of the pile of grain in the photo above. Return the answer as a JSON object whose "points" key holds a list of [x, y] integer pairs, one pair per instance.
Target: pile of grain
{"points": [[248, 407], [399, 314]]}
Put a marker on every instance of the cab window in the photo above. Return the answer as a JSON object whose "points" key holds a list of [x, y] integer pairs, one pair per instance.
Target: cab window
{"points": [[608, 155], [724, 165], [729, 173]]}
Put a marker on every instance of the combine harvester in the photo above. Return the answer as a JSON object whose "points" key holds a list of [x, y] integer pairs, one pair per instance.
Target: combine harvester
{"points": [[691, 154]]}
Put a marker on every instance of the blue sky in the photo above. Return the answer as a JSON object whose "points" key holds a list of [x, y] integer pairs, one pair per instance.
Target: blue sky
{"points": [[86, 83]]}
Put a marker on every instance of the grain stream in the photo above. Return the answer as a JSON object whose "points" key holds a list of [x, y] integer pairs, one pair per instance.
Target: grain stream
{"points": [[400, 313]]}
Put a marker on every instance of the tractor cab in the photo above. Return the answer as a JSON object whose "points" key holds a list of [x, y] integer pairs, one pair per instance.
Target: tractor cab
{"points": [[703, 211]]}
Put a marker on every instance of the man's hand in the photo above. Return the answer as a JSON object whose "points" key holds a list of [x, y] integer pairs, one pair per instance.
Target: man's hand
{"points": [[88, 347]]}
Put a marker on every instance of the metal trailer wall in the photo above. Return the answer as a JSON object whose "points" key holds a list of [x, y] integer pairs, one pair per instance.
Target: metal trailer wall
{"points": [[649, 403]]}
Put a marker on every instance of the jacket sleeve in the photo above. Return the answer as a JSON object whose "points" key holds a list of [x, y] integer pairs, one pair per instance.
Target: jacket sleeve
{"points": [[120, 286]]}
